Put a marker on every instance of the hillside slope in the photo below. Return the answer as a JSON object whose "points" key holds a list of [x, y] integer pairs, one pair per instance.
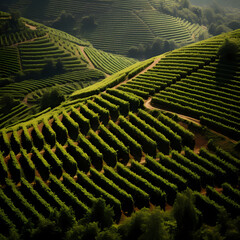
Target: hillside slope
{"points": [[34, 58], [109, 142], [112, 25]]}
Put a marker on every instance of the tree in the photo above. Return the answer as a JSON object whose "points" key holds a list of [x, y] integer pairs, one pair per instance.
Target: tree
{"points": [[59, 66], [88, 23], [109, 234], [229, 49], [154, 228], [64, 20], [88, 231], [185, 214], [52, 98], [101, 213]]}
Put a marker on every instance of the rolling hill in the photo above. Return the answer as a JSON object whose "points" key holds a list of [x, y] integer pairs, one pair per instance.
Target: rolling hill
{"points": [[112, 25], [35, 58], [118, 144]]}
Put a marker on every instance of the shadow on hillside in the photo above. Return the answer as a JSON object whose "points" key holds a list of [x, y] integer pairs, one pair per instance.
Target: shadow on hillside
{"points": [[226, 70]]}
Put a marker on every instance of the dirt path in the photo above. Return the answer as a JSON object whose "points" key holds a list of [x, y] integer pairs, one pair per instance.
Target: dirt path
{"points": [[148, 105], [201, 141], [157, 59], [31, 27], [86, 57]]}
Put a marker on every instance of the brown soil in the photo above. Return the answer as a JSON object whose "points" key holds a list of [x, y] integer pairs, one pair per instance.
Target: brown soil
{"points": [[31, 27]]}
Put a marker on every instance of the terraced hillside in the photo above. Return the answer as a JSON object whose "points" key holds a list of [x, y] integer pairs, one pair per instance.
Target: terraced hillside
{"points": [[113, 26], [34, 57], [111, 145]]}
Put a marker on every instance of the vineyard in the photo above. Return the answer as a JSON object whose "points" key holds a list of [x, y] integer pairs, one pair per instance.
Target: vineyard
{"points": [[134, 134], [118, 25], [31, 64], [109, 146], [195, 81]]}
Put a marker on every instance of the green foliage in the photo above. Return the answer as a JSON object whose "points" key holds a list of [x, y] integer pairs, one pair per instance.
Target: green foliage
{"points": [[82, 159], [95, 155], [89, 114], [27, 165], [69, 163], [169, 188], [97, 191], [78, 190], [84, 123], [52, 99], [60, 130], [229, 49], [145, 224], [53, 160], [14, 167], [41, 164], [37, 137], [134, 146], [148, 144], [185, 214], [112, 140], [101, 213], [108, 185], [65, 195], [109, 154], [71, 125], [3, 170], [49, 134]]}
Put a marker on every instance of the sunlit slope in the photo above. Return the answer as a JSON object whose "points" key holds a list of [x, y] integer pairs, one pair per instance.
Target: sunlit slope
{"points": [[198, 82], [107, 143], [119, 25], [34, 58]]}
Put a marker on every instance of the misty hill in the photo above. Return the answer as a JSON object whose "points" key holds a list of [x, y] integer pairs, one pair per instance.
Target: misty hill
{"points": [[35, 58], [114, 26], [136, 139]]}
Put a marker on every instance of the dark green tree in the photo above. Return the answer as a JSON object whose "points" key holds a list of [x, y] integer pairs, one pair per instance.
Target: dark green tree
{"points": [[101, 213], [185, 214], [229, 49], [52, 98]]}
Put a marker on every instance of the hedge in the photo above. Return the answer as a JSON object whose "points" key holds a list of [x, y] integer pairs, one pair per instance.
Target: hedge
{"points": [[26, 139], [157, 196], [166, 173], [60, 130], [84, 123], [92, 116], [41, 164], [134, 146], [27, 165], [141, 198], [68, 197], [71, 125], [112, 140], [35, 198], [69, 163], [110, 187], [78, 190], [82, 159], [48, 194], [109, 154], [14, 167], [170, 188], [49, 134], [94, 154], [148, 144], [87, 183]]}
